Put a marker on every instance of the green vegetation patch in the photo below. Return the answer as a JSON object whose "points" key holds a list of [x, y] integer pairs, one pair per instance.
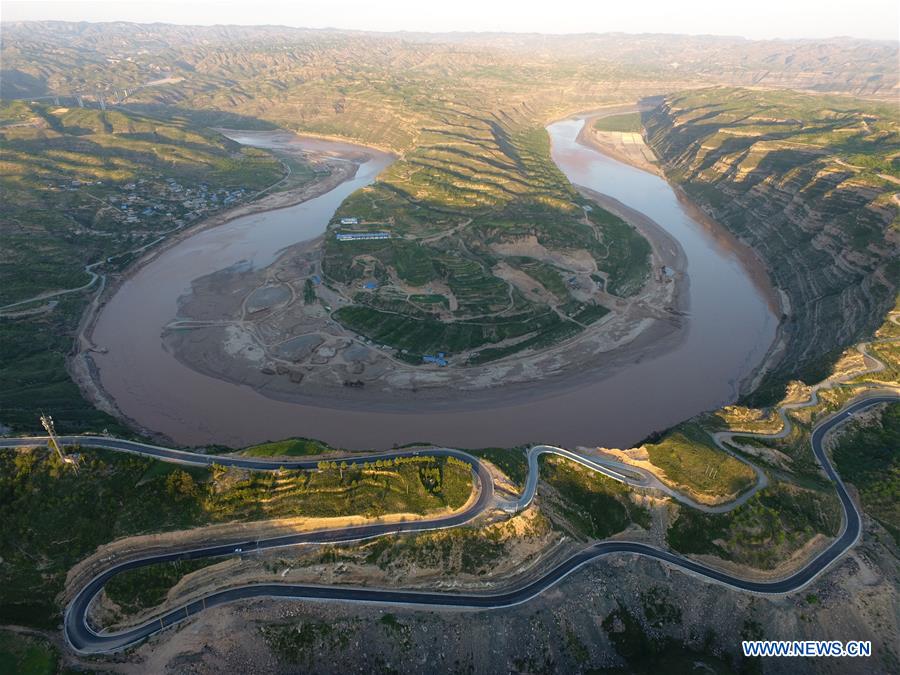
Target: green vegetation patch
{"points": [[762, 533], [623, 254], [691, 460], [403, 485], [431, 301], [868, 455], [428, 335], [459, 550], [562, 330], [33, 375], [146, 587], [27, 655], [626, 122], [547, 275], [288, 448], [511, 461], [594, 505], [53, 518]]}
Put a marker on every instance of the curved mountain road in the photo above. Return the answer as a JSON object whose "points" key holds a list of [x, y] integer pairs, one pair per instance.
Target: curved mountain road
{"points": [[83, 638]]}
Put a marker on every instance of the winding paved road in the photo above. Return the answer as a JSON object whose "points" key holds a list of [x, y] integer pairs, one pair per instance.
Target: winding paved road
{"points": [[83, 638]]}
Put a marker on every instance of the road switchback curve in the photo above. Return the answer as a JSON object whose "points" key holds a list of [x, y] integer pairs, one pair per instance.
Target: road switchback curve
{"points": [[83, 638]]}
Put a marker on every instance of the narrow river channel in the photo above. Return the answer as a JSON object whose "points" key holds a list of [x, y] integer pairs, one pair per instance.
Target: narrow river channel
{"points": [[729, 329]]}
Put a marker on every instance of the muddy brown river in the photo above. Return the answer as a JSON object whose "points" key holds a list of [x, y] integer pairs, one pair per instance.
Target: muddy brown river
{"points": [[730, 327]]}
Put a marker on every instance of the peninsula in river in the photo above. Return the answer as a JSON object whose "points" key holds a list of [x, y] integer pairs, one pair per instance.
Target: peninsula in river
{"points": [[279, 328]]}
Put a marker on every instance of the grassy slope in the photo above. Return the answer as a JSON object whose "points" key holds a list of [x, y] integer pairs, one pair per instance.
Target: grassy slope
{"points": [[287, 448], [691, 460], [511, 461], [53, 518], [146, 587], [867, 456], [33, 375], [763, 532], [591, 505]]}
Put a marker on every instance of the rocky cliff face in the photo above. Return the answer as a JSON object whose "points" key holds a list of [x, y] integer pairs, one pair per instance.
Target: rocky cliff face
{"points": [[810, 184]]}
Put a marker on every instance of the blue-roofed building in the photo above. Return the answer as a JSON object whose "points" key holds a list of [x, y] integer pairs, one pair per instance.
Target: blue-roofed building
{"points": [[438, 360], [316, 279], [370, 285]]}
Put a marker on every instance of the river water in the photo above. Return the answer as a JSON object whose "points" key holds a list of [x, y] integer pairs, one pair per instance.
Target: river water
{"points": [[729, 329]]}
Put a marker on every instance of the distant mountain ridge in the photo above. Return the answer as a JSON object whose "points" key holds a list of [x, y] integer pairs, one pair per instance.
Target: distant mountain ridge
{"points": [[61, 57]]}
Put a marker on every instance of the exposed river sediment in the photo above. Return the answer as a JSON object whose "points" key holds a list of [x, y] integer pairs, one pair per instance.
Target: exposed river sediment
{"points": [[655, 381]]}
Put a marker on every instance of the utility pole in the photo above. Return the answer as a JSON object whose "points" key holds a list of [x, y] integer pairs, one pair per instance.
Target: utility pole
{"points": [[47, 423]]}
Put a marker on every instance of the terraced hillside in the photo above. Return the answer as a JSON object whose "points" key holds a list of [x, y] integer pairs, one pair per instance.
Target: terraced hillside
{"points": [[491, 251], [375, 88], [810, 183]]}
